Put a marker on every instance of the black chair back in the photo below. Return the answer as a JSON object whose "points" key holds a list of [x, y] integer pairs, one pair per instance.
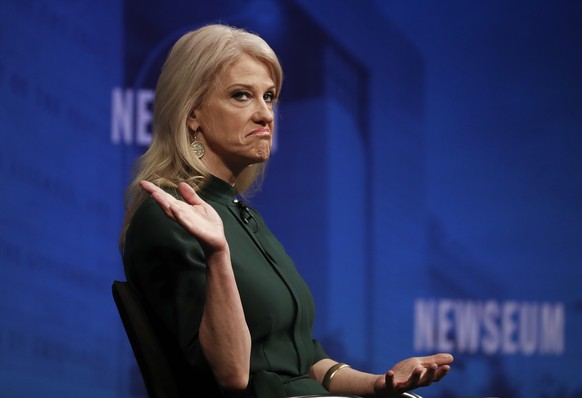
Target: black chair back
{"points": [[151, 357]]}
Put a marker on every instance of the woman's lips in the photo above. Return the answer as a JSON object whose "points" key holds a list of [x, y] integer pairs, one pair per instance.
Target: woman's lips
{"points": [[262, 132]]}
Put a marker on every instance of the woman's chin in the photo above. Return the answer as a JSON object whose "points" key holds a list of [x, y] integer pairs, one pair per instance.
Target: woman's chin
{"points": [[262, 155]]}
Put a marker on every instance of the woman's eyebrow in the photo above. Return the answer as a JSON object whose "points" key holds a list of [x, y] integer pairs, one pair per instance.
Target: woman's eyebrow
{"points": [[248, 86]]}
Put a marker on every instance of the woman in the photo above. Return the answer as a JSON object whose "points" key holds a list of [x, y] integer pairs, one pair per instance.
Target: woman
{"points": [[236, 313]]}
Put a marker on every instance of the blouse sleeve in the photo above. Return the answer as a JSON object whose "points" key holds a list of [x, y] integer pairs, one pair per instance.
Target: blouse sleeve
{"points": [[318, 352], [167, 267]]}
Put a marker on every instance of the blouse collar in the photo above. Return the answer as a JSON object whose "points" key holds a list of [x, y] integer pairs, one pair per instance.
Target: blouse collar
{"points": [[218, 190]]}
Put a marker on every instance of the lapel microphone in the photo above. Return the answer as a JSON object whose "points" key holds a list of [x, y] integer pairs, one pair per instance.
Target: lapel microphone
{"points": [[244, 211]]}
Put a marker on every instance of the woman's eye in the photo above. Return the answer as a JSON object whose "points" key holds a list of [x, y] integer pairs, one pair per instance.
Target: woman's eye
{"points": [[241, 95], [269, 97]]}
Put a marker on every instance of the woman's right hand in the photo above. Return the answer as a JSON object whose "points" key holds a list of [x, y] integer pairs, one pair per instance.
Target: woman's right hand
{"points": [[194, 214]]}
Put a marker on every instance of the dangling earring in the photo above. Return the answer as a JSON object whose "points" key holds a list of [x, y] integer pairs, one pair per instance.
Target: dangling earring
{"points": [[197, 146]]}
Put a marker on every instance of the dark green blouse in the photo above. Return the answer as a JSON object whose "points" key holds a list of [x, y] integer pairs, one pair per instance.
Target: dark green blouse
{"points": [[167, 266]]}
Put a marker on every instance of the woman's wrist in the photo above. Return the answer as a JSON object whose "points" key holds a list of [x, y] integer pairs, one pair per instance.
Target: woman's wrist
{"points": [[330, 374], [218, 256]]}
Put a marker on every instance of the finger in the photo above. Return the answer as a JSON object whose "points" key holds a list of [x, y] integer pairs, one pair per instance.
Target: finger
{"points": [[439, 359], [390, 379], [154, 189], [164, 199], [441, 372], [442, 359], [428, 376], [409, 384], [165, 204], [189, 194], [149, 187], [414, 378]]}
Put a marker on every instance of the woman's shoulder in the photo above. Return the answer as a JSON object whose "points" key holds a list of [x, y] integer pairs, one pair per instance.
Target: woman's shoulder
{"points": [[149, 211], [150, 224]]}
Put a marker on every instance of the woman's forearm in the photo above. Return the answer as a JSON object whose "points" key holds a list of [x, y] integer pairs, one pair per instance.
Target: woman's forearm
{"points": [[224, 334]]}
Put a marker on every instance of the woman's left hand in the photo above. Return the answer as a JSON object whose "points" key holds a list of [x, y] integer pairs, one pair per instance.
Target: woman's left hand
{"points": [[412, 373]]}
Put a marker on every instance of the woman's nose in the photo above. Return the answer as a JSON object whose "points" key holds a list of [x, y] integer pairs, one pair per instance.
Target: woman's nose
{"points": [[264, 113]]}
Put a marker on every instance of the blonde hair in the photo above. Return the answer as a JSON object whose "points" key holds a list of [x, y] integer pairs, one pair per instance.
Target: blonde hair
{"points": [[193, 65]]}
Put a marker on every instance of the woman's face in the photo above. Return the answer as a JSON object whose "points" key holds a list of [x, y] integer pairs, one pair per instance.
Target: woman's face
{"points": [[237, 118]]}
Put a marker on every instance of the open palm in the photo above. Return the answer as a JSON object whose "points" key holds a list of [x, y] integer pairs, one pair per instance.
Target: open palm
{"points": [[194, 214], [412, 373]]}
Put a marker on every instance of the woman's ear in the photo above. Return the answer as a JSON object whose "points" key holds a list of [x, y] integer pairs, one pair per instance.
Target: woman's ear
{"points": [[192, 121]]}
